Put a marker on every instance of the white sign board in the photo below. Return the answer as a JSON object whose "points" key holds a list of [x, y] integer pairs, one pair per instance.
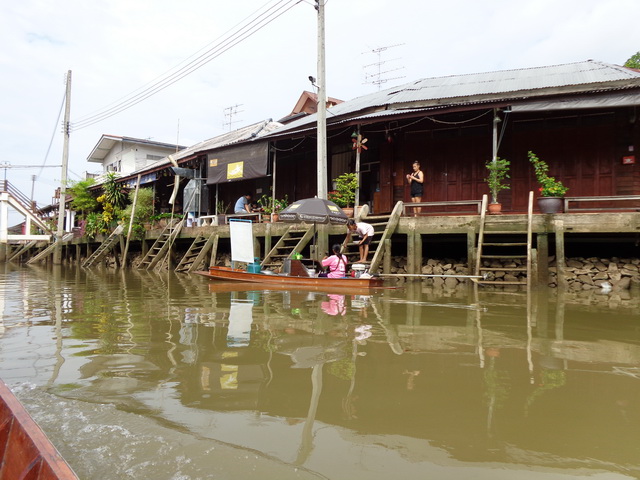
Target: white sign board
{"points": [[241, 240]]}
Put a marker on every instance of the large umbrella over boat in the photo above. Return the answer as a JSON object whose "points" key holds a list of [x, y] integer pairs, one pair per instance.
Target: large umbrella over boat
{"points": [[314, 210]]}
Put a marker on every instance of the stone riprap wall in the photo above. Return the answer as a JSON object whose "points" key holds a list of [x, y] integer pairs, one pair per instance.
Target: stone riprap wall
{"points": [[599, 273], [445, 266], [580, 273]]}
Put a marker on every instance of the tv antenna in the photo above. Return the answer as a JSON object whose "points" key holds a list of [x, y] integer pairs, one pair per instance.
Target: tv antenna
{"points": [[375, 75], [229, 113]]}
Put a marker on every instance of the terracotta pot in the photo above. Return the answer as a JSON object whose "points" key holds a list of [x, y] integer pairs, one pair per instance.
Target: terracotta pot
{"points": [[494, 208], [275, 217], [348, 211], [550, 204]]}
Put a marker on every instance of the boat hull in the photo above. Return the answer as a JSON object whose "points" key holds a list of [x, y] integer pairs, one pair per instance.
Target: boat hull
{"points": [[348, 283], [25, 451]]}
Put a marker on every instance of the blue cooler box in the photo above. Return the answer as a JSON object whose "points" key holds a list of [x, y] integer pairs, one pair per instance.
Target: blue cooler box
{"points": [[254, 268]]}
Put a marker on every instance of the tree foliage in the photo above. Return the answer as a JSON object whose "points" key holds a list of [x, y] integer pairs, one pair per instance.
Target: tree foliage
{"points": [[634, 61], [83, 200]]}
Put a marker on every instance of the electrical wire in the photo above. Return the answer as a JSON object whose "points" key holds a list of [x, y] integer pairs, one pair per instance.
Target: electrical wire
{"points": [[166, 77], [55, 128], [244, 32]]}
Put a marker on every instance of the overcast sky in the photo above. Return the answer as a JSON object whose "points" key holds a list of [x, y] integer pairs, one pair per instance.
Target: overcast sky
{"points": [[115, 47]]}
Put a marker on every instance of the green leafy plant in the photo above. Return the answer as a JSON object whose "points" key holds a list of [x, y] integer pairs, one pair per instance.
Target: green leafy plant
{"points": [[165, 216], [273, 205], [549, 186], [83, 200], [142, 214], [114, 192], [345, 193], [222, 207], [498, 172], [95, 224]]}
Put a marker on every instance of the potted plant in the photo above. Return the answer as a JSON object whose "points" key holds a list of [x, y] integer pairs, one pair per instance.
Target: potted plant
{"points": [[344, 194], [551, 190], [272, 206], [221, 210], [498, 172]]}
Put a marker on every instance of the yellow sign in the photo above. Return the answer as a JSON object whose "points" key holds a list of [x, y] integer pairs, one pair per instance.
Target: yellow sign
{"points": [[235, 170], [213, 162]]}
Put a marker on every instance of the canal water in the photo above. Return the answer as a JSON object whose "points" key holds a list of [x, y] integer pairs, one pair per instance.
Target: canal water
{"points": [[160, 376]]}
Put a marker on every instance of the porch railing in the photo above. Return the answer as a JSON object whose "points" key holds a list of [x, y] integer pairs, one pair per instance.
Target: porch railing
{"points": [[409, 208], [614, 199]]}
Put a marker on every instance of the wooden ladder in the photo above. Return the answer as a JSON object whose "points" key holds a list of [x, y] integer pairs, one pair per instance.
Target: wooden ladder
{"points": [[49, 250], [197, 252], [495, 244], [383, 228], [23, 249], [104, 248], [295, 239], [161, 246]]}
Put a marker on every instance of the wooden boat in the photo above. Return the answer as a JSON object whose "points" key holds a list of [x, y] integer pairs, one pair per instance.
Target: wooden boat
{"points": [[297, 278], [25, 451]]}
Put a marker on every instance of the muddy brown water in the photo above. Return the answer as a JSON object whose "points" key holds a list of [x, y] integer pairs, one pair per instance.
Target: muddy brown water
{"points": [[161, 376]]}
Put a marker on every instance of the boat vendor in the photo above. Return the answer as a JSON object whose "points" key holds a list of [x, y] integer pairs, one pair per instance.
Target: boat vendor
{"points": [[365, 231], [337, 263], [243, 204]]}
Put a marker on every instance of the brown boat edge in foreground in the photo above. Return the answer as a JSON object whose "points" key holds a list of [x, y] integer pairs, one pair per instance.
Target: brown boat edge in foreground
{"points": [[25, 450], [347, 283]]}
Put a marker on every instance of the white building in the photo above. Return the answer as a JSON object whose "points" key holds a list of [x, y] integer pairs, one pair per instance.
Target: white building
{"points": [[125, 154]]}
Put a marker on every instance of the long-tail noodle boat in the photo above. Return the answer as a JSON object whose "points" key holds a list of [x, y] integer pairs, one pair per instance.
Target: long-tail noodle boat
{"points": [[25, 451], [297, 276]]}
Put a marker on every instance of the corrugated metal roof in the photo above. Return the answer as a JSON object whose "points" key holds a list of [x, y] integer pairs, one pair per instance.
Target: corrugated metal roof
{"points": [[254, 131], [475, 87]]}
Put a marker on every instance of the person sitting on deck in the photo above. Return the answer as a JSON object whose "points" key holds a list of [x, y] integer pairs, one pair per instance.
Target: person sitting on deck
{"points": [[243, 204], [366, 233], [337, 264]]}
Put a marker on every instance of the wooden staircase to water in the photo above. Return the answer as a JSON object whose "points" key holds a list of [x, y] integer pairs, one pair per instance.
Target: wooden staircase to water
{"points": [[295, 239], [104, 248], [160, 249], [504, 254], [383, 227], [48, 250], [22, 250], [197, 252]]}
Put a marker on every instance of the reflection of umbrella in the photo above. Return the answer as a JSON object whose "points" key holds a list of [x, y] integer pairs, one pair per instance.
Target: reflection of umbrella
{"points": [[314, 210]]}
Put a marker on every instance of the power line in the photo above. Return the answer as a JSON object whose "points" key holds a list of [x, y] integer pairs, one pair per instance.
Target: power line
{"points": [[53, 134], [161, 77], [223, 45]]}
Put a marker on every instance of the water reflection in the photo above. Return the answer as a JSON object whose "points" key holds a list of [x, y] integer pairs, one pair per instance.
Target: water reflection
{"points": [[415, 380]]}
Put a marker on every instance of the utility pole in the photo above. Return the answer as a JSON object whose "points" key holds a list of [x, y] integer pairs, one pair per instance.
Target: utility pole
{"points": [[57, 253], [322, 105]]}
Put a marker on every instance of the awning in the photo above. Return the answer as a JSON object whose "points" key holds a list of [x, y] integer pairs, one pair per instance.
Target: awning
{"points": [[238, 163], [148, 178]]}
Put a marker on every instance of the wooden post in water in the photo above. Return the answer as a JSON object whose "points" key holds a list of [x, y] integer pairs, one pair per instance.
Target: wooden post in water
{"points": [[386, 265], [543, 258], [133, 212], [471, 249], [560, 263]]}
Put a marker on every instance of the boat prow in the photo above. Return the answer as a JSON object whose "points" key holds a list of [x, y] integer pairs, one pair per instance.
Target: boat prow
{"points": [[25, 451]]}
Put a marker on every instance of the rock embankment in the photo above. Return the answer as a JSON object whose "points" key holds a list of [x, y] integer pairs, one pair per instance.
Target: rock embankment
{"points": [[604, 273], [580, 273]]}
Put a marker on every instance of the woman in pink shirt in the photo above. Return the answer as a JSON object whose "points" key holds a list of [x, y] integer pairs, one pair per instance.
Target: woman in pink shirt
{"points": [[337, 264]]}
